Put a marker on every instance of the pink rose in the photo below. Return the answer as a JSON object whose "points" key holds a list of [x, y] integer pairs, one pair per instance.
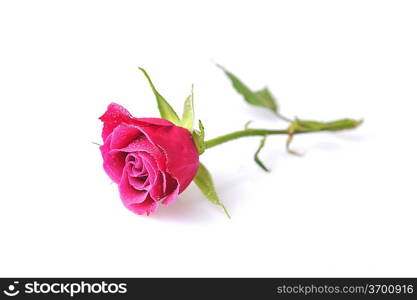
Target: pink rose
{"points": [[150, 159]]}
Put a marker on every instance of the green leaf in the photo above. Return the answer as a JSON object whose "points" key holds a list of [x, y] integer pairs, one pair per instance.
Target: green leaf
{"points": [[187, 120], [166, 111], [266, 97], [261, 98], [204, 181], [256, 157], [198, 136]]}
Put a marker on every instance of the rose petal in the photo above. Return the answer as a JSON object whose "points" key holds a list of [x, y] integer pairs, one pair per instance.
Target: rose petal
{"points": [[150, 121], [113, 117], [171, 183], [158, 187], [113, 161], [172, 196], [114, 156], [143, 144], [139, 182], [136, 166], [146, 207], [128, 193], [123, 135], [150, 165], [144, 179], [179, 149]]}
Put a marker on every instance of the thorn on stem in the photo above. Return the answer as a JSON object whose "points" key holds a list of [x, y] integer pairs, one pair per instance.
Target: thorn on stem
{"points": [[256, 156], [247, 124]]}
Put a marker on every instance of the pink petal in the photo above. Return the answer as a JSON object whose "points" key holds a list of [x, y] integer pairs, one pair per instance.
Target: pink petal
{"points": [[151, 121], [146, 207], [157, 190], [114, 116], [145, 178], [172, 196], [179, 149], [113, 164], [113, 161], [123, 135], [144, 144], [129, 194]]}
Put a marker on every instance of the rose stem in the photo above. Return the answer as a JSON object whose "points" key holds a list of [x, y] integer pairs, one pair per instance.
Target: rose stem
{"points": [[331, 126]]}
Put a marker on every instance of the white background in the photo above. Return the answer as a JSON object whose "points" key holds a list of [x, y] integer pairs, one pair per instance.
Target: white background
{"points": [[346, 208]]}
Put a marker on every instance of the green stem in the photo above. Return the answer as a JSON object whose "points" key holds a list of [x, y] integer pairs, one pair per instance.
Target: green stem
{"points": [[242, 133], [297, 127]]}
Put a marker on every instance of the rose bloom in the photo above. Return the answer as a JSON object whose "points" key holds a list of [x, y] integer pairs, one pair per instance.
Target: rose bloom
{"points": [[150, 159]]}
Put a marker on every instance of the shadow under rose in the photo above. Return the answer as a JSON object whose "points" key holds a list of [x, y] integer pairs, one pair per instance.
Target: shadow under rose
{"points": [[193, 207], [190, 207]]}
